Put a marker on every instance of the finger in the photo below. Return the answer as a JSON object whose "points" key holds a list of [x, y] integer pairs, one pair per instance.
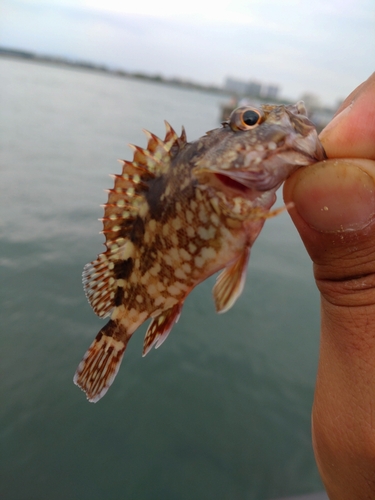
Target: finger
{"points": [[334, 212], [351, 133], [363, 87]]}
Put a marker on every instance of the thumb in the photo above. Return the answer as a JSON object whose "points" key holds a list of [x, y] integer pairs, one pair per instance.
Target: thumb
{"points": [[334, 212]]}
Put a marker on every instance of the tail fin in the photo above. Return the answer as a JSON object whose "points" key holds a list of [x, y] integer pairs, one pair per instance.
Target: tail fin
{"points": [[100, 364]]}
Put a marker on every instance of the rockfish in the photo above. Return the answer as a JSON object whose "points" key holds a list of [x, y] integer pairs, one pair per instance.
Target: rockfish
{"points": [[180, 212]]}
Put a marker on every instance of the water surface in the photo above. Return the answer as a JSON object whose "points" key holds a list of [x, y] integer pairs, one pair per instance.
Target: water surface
{"points": [[222, 409]]}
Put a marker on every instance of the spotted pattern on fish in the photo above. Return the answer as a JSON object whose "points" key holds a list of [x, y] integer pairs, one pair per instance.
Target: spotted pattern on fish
{"points": [[180, 212]]}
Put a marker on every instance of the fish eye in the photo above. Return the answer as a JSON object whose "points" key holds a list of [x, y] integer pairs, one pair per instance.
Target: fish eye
{"points": [[245, 118]]}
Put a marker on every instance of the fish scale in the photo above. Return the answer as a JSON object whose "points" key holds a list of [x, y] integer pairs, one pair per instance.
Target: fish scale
{"points": [[180, 212]]}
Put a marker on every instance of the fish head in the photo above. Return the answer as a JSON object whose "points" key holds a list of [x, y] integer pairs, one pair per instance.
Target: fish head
{"points": [[258, 148]]}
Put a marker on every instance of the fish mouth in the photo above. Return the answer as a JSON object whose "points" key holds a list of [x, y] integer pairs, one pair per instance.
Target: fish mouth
{"points": [[227, 181], [231, 183], [267, 173], [248, 184], [250, 181], [309, 147]]}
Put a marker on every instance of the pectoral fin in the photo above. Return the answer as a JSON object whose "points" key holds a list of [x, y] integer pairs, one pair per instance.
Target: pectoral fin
{"points": [[160, 328], [230, 282]]}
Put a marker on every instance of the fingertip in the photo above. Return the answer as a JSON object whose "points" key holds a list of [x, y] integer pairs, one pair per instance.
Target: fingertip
{"points": [[351, 132], [333, 196]]}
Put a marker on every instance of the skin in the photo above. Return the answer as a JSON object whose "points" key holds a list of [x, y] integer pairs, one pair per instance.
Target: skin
{"points": [[334, 212]]}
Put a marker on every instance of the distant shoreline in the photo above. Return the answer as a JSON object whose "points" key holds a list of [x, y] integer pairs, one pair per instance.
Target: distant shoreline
{"points": [[320, 116], [101, 68]]}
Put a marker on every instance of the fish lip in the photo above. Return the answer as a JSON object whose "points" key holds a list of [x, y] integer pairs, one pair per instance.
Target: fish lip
{"points": [[323, 155], [310, 140], [295, 151], [256, 180], [319, 152], [234, 186]]}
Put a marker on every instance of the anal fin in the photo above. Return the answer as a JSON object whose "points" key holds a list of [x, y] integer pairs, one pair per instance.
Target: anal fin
{"points": [[100, 364], [160, 328], [229, 284]]}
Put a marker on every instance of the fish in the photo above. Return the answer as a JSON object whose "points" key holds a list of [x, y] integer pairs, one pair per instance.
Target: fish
{"points": [[178, 213]]}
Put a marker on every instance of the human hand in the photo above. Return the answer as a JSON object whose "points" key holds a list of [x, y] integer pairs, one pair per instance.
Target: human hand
{"points": [[334, 212]]}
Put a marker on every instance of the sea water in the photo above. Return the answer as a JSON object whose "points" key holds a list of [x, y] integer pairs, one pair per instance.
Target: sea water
{"points": [[222, 409]]}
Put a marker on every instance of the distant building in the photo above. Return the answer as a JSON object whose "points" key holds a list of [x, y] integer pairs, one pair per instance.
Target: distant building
{"points": [[251, 88], [235, 86], [270, 91]]}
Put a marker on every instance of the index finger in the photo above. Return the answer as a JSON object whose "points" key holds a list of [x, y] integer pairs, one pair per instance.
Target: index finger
{"points": [[351, 133]]}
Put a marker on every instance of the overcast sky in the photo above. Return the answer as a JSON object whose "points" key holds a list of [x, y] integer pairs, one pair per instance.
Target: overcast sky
{"points": [[326, 47]]}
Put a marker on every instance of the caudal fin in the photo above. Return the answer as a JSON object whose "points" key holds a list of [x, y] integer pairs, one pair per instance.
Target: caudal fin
{"points": [[100, 364]]}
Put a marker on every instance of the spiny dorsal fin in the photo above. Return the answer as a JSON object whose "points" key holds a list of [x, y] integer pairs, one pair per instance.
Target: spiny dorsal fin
{"points": [[160, 328], [99, 279], [148, 163], [172, 141], [100, 364], [125, 208], [182, 140], [96, 278], [156, 157], [155, 145], [229, 284], [147, 159], [132, 168], [170, 136]]}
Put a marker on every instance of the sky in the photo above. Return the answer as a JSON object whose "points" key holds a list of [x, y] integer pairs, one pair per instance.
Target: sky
{"points": [[323, 47]]}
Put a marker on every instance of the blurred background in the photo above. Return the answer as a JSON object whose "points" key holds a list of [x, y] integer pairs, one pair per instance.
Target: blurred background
{"points": [[222, 409]]}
